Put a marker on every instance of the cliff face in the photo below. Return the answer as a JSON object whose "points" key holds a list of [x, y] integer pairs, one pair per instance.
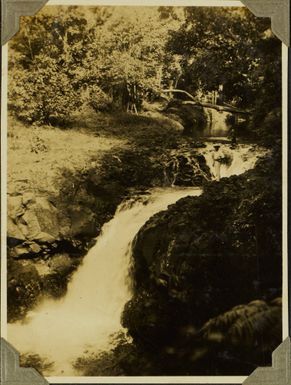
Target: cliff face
{"points": [[205, 255]]}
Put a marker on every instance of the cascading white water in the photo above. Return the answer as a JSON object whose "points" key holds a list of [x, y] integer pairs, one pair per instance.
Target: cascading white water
{"points": [[62, 330], [238, 159], [83, 321], [242, 157]]}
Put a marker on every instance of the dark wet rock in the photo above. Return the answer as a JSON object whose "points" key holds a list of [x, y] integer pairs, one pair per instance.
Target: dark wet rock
{"points": [[186, 168], [54, 285], [200, 258], [23, 288], [61, 264], [30, 279], [54, 282], [192, 117]]}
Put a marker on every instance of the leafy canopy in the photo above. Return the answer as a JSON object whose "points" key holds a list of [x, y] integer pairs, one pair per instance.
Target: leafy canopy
{"points": [[67, 56], [228, 47]]}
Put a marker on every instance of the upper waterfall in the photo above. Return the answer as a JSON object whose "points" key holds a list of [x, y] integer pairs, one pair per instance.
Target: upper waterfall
{"points": [[216, 123], [190, 167], [238, 159]]}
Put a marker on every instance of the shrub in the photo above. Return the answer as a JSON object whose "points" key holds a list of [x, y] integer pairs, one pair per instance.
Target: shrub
{"points": [[36, 362], [43, 94], [269, 130], [98, 99]]}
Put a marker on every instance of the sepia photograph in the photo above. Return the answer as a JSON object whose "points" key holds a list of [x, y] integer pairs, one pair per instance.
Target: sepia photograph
{"points": [[144, 191]]}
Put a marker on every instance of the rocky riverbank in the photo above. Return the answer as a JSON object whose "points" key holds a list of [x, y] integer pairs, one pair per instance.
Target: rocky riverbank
{"points": [[57, 207], [196, 261], [204, 263], [206, 282]]}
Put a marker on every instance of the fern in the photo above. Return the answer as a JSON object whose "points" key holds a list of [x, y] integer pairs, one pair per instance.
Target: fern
{"points": [[257, 324]]}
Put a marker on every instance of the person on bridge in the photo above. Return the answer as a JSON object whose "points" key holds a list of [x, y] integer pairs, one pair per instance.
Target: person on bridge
{"points": [[232, 135], [217, 159]]}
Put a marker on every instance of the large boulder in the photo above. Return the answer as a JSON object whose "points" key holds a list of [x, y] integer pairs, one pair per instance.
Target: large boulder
{"points": [[190, 116], [186, 169], [32, 222], [29, 279], [205, 255]]}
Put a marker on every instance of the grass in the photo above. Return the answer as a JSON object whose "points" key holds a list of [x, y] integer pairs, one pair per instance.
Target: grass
{"points": [[37, 155], [148, 129]]}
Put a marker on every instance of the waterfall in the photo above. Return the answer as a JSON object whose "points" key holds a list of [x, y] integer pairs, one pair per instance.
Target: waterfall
{"points": [[240, 158], [186, 169], [216, 123], [83, 321]]}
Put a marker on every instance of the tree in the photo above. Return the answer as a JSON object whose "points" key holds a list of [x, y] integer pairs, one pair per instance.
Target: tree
{"points": [[227, 47], [131, 54], [87, 55], [48, 64]]}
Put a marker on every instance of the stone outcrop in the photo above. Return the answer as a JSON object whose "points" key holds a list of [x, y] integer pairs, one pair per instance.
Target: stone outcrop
{"points": [[191, 117], [203, 256], [32, 224], [44, 246], [30, 279]]}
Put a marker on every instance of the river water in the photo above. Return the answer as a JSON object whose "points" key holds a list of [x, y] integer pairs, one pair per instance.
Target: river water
{"points": [[83, 321], [62, 330], [241, 158], [216, 123]]}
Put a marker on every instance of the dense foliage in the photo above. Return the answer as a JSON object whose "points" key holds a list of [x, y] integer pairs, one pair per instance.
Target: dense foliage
{"points": [[67, 57], [236, 54], [206, 272], [236, 51]]}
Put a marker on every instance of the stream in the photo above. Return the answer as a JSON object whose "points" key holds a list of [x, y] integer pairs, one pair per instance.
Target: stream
{"points": [[83, 321]]}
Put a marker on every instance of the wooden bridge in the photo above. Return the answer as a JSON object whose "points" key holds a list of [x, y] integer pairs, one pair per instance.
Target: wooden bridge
{"points": [[195, 102]]}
